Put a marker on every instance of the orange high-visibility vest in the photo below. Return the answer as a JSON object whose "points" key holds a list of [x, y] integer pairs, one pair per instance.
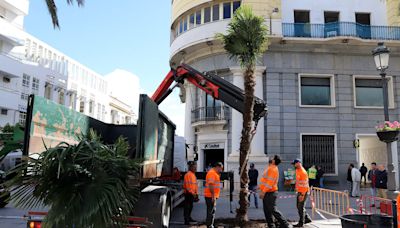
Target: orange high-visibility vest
{"points": [[269, 179], [190, 183], [398, 210], [301, 180], [212, 179]]}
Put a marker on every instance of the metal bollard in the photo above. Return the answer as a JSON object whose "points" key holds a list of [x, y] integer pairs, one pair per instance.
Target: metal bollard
{"points": [[394, 213]]}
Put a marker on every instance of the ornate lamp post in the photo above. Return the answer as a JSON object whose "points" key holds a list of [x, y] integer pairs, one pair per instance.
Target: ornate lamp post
{"points": [[381, 57]]}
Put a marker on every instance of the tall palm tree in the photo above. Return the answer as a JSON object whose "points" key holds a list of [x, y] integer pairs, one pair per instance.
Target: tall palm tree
{"points": [[52, 7], [245, 41]]}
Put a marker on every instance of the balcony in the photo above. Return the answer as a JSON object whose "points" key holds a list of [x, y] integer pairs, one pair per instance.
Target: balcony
{"points": [[340, 29], [209, 115]]}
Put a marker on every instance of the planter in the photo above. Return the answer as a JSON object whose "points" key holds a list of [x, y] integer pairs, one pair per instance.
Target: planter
{"points": [[388, 136]]}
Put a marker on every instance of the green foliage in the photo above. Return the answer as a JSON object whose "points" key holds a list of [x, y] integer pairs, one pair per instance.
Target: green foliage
{"points": [[8, 128], [52, 8], [84, 185], [246, 37]]}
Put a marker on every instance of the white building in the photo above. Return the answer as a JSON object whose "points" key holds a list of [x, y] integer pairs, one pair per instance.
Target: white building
{"points": [[30, 66]]}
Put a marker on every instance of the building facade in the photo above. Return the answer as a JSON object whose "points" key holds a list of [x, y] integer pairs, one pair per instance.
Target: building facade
{"points": [[318, 78], [30, 66]]}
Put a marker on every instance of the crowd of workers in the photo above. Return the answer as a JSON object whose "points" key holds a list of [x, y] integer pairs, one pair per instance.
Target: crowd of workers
{"points": [[268, 192]]}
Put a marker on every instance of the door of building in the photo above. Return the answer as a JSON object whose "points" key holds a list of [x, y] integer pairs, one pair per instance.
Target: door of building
{"points": [[212, 156]]}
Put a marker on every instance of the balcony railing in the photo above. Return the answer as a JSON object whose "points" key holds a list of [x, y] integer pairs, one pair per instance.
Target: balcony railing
{"points": [[346, 29], [209, 114]]}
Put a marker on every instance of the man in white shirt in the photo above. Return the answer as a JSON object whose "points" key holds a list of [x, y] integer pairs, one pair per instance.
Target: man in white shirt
{"points": [[356, 178]]}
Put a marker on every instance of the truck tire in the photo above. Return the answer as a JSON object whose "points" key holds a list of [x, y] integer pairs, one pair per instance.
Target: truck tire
{"points": [[156, 207]]}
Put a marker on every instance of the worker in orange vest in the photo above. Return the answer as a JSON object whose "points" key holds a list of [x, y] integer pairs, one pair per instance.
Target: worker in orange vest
{"points": [[190, 189], [269, 189], [211, 192], [302, 190]]}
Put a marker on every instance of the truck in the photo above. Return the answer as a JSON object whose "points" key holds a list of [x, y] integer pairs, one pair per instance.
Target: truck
{"points": [[151, 140]]}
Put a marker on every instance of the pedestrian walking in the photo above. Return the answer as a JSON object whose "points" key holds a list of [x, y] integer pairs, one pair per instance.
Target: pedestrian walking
{"points": [[363, 171], [349, 179], [372, 178], [302, 190], [320, 176], [211, 192], [253, 176], [312, 175], [190, 189], [269, 189], [356, 178], [381, 182]]}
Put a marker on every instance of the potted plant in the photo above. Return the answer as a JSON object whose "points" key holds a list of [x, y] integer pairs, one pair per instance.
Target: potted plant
{"points": [[388, 132]]}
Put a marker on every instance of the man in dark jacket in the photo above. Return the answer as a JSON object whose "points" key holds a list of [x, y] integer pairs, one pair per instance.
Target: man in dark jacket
{"points": [[253, 176], [363, 171], [320, 176], [372, 178], [381, 182]]}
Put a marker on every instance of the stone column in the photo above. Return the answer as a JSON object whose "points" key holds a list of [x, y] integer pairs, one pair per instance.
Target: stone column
{"points": [[237, 119], [257, 145], [189, 132]]}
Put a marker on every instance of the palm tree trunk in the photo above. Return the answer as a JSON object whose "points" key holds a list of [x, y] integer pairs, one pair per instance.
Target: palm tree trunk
{"points": [[249, 84]]}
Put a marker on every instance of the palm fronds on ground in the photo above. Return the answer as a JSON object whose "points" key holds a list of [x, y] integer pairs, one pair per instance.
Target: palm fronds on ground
{"points": [[245, 40], [84, 185]]}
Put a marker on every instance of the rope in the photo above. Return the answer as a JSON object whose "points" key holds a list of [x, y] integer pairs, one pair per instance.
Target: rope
{"points": [[253, 132]]}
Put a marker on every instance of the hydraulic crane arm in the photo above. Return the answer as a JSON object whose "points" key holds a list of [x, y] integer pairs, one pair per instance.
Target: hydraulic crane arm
{"points": [[215, 86]]}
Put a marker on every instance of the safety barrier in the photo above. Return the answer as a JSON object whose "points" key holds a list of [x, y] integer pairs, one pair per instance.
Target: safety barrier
{"points": [[331, 202], [375, 205]]}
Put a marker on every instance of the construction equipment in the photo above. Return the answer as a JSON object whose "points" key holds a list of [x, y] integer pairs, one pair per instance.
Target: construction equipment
{"points": [[151, 140]]}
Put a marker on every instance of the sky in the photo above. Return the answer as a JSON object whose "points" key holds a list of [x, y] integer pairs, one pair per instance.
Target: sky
{"points": [[105, 35]]}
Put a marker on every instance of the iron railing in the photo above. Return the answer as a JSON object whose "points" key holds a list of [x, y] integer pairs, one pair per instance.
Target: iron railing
{"points": [[346, 29], [209, 114]]}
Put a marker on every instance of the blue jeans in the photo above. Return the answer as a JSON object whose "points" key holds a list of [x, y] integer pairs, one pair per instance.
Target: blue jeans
{"points": [[253, 191], [321, 182]]}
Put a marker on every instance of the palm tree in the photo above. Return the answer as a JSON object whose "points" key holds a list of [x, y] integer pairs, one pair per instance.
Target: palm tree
{"points": [[245, 41], [83, 185], [52, 7]]}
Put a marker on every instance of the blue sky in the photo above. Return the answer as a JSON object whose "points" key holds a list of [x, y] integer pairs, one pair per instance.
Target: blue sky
{"points": [[104, 35]]}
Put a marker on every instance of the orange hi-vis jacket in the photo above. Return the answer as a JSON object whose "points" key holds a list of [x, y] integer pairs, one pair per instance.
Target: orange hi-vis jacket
{"points": [[212, 179], [301, 180], [269, 179], [190, 183], [398, 210]]}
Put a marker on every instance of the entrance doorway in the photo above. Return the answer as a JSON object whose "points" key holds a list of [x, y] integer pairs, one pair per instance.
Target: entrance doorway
{"points": [[212, 156], [371, 150]]}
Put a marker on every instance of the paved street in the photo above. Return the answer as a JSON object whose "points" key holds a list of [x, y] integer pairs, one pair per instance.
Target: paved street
{"points": [[11, 217]]}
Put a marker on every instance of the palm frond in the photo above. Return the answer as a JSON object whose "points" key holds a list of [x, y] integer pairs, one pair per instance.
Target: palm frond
{"points": [[246, 36], [84, 185], [52, 8]]}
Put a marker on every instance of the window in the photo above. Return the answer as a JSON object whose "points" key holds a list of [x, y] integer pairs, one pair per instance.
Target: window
{"points": [[207, 14], [369, 93], [22, 118], [24, 96], [185, 24], [316, 90], [6, 80], [91, 106], [180, 27], [61, 97], [35, 86], [227, 10], [72, 101], [47, 91], [191, 21], [215, 12], [213, 108], [236, 5], [319, 150], [302, 23], [26, 80], [4, 111], [82, 106], [198, 17], [98, 111], [103, 112]]}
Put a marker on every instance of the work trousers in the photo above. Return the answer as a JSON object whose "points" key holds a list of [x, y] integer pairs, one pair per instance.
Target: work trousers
{"points": [[301, 208], [270, 209], [211, 207], [187, 210]]}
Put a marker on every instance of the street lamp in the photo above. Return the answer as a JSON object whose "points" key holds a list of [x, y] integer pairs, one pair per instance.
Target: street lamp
{"points": [[273, 12], [381, 58]]}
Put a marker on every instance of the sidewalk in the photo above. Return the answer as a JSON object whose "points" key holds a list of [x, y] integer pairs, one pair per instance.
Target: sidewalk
{"points": [[286, 204]]}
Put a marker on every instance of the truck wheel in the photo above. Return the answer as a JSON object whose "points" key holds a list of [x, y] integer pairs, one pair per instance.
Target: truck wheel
{"points": [[166, 211]]}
